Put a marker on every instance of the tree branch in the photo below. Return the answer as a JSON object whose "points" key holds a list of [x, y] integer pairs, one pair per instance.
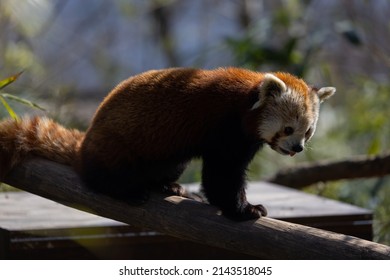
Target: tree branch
{"points": [[265, 238], [353, 168]]}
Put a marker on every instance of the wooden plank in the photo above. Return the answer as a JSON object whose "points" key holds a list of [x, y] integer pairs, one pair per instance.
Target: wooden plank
{"points": [[191, 220], [40, 228], [23, 211], [284, 202]]}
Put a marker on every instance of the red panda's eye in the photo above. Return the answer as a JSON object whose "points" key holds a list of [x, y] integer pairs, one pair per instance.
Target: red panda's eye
{"points": [[288, 130]]}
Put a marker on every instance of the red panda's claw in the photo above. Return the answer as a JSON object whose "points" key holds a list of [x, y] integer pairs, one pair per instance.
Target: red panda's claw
{"points": [[261, 209]]}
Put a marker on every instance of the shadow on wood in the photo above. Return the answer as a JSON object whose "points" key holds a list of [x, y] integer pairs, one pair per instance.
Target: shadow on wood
{"points": [[265, 238]]}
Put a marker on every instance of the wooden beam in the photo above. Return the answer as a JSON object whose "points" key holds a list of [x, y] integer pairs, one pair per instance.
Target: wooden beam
{"points": [[355, 167], [265, 238]]}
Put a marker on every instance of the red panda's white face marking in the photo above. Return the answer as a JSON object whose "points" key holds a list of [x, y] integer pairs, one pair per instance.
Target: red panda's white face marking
{"points": [[288, 116]]}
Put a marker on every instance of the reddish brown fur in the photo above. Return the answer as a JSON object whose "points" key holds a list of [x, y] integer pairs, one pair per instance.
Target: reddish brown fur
{"points": [[203, 97], [39, 136], [149, 127], [293, 82]]}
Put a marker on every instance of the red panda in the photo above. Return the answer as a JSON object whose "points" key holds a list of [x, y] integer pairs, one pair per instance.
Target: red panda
{"points": [[151, 125]]}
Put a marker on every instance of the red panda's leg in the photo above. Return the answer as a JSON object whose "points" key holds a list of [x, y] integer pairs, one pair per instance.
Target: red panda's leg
{"points": [[132, 182], [223, 182], [120, 182], [164, 175]]}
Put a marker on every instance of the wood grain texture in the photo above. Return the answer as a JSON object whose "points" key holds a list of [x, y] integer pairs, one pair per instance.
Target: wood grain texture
{"points": [[265, 238]]}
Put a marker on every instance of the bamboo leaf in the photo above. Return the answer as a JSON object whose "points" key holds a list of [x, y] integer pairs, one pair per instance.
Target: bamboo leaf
{"points": [[9, 80], [9, 109], [23, 101]]}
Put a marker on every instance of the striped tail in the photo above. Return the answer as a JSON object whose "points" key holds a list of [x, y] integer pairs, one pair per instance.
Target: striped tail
{"points": [[37, 136]]}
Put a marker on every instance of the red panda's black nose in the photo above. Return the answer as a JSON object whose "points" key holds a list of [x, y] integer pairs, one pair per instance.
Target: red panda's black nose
{"points": [[297, 148]]}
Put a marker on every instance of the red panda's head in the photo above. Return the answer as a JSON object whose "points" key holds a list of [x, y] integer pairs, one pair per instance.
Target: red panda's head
{"points": [[289, 111]]}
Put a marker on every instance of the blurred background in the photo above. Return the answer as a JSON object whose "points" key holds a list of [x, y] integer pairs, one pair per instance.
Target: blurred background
{"points": [[74, 52]]}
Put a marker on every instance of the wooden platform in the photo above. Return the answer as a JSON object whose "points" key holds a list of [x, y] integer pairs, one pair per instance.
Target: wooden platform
{"points": [[32, 227]]}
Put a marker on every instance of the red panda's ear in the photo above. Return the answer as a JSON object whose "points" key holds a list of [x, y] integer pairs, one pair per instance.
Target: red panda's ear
{"points": [[325, 92], [270, 86]]}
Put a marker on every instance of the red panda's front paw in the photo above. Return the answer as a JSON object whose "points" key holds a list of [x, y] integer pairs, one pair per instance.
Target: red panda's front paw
{"points": [[254, 211], [176, 189], [248, 212], [263, 211]]}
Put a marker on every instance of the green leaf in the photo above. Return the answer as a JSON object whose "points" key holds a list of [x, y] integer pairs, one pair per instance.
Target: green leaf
{"points": [[9, 80], [374, 147], [9, 109], [23, 101]]}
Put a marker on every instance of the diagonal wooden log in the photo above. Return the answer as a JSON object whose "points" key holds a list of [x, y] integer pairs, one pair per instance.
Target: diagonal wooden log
{"points": [[265, 238], [356, 167]]}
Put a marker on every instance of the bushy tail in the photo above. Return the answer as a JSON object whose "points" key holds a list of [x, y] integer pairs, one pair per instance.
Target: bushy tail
{"points": [[38, 136]]}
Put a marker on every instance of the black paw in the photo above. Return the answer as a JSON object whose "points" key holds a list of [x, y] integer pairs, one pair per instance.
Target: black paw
{"points": [[263, 211], [176, 189], [248, 212]]}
